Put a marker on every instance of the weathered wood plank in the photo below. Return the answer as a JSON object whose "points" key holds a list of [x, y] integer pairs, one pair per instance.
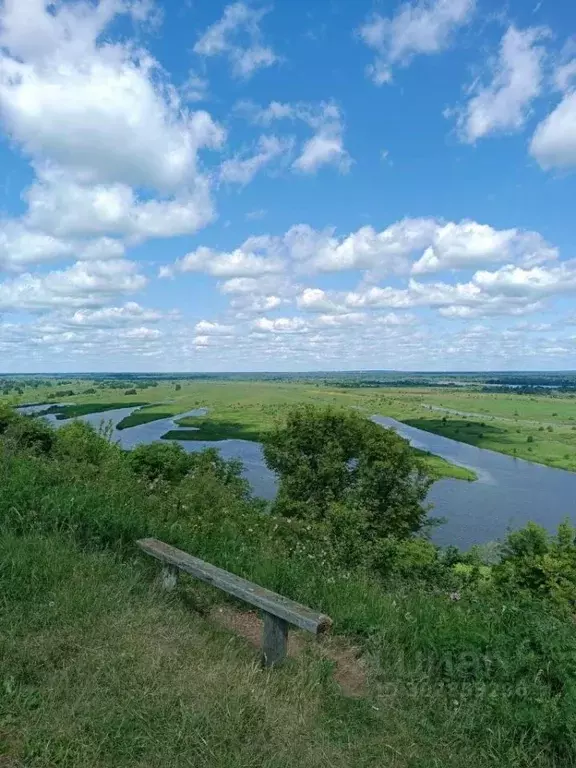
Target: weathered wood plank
{"points": [[274, 640], [267, 601], [169, 578]]}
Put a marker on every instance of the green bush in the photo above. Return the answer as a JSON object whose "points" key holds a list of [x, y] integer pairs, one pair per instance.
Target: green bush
{"points": [[7, 415], [27, 432], [544, 565], [159, 461], [80, 443]]}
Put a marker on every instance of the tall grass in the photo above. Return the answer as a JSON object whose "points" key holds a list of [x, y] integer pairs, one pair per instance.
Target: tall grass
{"points": [[99, 670]]}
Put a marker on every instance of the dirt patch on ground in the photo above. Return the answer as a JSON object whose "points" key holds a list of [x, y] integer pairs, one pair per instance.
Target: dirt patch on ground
{"points": [[10, 745], [10, 762], [349, 671]]}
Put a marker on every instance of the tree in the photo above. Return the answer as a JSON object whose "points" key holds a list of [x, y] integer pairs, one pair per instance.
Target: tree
{"points": [[326, 457]]}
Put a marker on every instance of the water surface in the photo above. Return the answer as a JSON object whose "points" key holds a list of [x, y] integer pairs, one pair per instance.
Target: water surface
{"points": [[508, 493]]}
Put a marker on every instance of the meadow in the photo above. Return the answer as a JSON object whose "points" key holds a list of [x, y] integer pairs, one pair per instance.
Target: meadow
{"points": [[536, 427]]}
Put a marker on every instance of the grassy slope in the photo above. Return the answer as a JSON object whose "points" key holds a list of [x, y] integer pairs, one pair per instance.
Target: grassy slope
{"points": [[98, 670]]}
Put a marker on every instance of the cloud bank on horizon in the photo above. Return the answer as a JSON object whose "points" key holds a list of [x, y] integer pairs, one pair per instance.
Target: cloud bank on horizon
{"points": [[240, 186]]}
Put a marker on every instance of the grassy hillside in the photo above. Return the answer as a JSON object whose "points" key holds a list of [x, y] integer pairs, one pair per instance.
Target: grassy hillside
{"points": [[99, 669]]}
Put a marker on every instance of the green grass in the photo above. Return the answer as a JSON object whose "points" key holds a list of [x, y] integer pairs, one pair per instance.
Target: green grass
{"points": [[513, 424], [540, 408], [439, 467], [143, 416], [100, 670], [552, 448], [535, 428], [75, 410], [207, 430]]}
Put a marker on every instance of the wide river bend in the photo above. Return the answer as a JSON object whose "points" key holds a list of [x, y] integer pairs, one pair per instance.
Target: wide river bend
{"points": [[508, 493]]}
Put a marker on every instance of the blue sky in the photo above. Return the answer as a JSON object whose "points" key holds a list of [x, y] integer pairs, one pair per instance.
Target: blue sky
{"points": [[292, 185]]}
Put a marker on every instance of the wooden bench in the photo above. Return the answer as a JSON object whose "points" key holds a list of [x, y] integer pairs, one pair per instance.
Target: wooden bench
{"points": [[278, 611]]}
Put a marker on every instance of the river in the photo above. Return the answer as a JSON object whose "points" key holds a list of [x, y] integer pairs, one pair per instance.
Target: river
{"points": [[508, 493]]}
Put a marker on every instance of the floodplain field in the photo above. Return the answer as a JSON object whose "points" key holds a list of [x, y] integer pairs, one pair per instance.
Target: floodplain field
{"points": [[532, 426]]}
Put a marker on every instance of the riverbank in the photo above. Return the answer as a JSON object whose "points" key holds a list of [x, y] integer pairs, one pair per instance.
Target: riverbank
{"points": [[536, 428]]}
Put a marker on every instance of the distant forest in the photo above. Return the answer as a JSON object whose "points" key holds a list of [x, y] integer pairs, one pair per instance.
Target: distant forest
{"points": [[517, 382]]}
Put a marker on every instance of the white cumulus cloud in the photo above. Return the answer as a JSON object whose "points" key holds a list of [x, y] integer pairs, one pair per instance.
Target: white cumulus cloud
{"points": [[208, 328], [60, 205], [241, 169], [112, 317], [280, 325], [250, 260], [422, 27], [469, 245], [100, 110], [84, 284], [554, 141], [223, 38], [503, 105], [325, 147]]}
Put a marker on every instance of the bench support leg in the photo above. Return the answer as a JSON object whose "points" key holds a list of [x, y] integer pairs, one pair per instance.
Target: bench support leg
{"points": [[169, 578], [274, 640]]}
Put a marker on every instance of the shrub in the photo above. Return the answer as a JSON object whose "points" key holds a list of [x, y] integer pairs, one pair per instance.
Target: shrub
{"points": [[27, 432], [81, 443], [542, 564], [7, 415], [160, 461]]}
